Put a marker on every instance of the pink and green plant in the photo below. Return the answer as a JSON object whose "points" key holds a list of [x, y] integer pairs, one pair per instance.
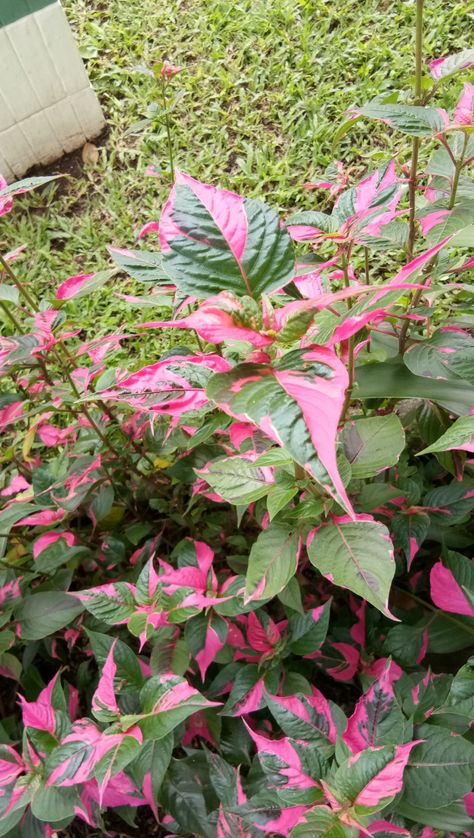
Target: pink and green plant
{"points": [[236, 585]]}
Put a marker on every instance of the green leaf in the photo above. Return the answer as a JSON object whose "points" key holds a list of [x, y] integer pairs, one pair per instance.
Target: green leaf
{"points": [[322, 821], [51, 804], [279, 496], [182, 795], [26, 185], [307, 631], [439, 770], [433, 358], [272, 562], [153, 759], [201, 262], [9, 294], [357, 555], [46, 612], [144, 265], [313, 218], [392, 380], [237, 480], [374, 444], [452, 818], [460, 433], [414, 120]]}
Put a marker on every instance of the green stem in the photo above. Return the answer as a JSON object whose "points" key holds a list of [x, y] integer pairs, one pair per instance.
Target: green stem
{"points": [[366, 265], [168, 128], [16, 323], [416, 141], [419, 293], [351, 342], [26, 294], [457, 172]]}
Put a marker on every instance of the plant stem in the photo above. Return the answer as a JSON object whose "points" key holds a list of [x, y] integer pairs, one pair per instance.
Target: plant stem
{"points": [[366, 265], [419, 293], [457, 172], [351, 342], [168, 128], [16, 323], [416, 140], [26, 294]]}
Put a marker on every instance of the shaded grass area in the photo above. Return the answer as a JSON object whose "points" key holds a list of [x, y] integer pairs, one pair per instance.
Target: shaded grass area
{"points": [[264, 85]]}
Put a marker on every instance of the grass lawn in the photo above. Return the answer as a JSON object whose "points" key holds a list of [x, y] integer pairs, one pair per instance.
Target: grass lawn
{"points": [[265, 83]]}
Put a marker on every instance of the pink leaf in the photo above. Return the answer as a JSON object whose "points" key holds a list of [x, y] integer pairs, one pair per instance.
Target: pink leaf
{"points": [[463, 114], [49, 538], [212, 645], [370, 712], [290, 762], [47, 516], [104, 703], [387, 782], [216, 324], [11, 765], [226, 209], [427, 222], [446, 592], [70, 287], [385, 827], [40, 714]]}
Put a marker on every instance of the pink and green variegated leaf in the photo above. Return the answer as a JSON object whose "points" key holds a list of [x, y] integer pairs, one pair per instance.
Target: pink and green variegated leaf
{"points": [[212, 239], [293, 767], [324, 822], [355, 554], [297, 402], [273, 561], [11, 765], [409, 532], [384, 829], [81, 285], [222, 318], [74, 761], [340, 660], [308, 717], [104, 702], [307, 632], [377, 718], [370, 779], [373, 194], [441, 68], [452, 584], [113, 603], [205, 636], [166, 701], [247, 693], [265, 813], [459, 437], [117, 758], [173, 386], [42, 714]]}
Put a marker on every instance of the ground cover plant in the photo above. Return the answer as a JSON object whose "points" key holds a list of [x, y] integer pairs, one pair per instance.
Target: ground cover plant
{"points": [[236, 588]]}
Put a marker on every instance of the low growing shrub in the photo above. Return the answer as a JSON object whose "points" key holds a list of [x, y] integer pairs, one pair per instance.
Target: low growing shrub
{"points": [[236, 592]]}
